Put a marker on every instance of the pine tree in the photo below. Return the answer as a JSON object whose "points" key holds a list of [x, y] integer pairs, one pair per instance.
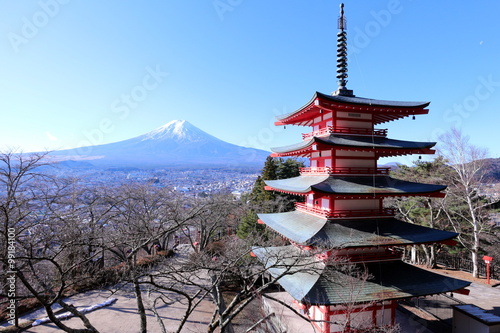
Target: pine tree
{"points": [[248, 225], [269, 172], [264, 201], [288, 168]]}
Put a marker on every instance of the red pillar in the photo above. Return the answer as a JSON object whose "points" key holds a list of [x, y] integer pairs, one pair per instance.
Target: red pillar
{"points": [[488, 260], [326, 316], [394, 305]]}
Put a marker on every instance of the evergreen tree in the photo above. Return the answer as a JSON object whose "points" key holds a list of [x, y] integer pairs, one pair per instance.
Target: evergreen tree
{"points": [[270, 170], [248, 225], [288, 168], [264, 201]]}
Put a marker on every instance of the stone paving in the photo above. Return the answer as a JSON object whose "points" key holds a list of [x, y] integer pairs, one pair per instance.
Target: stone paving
{"points": [[122, 315], [482, 295]]}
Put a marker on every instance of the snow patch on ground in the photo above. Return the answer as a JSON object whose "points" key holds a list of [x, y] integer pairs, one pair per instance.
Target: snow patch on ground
{"points": [[67, 315]]}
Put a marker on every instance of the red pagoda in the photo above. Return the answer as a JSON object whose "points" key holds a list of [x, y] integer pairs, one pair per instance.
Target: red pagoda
{"points": [[343, 214]]}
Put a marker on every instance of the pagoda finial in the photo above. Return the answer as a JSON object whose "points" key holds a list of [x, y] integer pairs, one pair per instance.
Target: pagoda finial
{"points": [[342, 56], [342, 24]]}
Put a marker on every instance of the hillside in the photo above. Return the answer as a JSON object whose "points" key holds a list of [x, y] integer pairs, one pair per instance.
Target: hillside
{"points": [[493, 170]]}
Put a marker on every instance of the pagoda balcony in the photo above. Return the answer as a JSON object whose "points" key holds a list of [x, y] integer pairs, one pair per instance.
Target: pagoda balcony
{"points": [[345, 130], [308, 171], [335, 214]]}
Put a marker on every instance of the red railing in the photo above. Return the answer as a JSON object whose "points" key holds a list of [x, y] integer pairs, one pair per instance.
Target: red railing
{"points": [[345, 130], [385, 212], [344, 170], [360, 131], [312, 209], [321, 132]]}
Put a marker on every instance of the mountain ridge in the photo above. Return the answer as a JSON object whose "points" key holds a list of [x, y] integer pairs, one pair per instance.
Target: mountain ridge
{"points": [[178, 143]]}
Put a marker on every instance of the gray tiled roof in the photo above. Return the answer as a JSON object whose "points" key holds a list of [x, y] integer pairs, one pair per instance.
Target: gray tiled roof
{"points": [[315, 283], [351, 185], [298, 270], [359, 101], [388, 280], [356, 142], [307, 229], [371, 101]]}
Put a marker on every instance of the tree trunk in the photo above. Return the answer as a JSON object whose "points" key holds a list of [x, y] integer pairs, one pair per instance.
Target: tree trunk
{"points": [[427, 255], [475, 266], [155, 312], [72, 309], [432, 259], [140, 306], [413, 256], [221, 307], [475, 233], [51, 314]]}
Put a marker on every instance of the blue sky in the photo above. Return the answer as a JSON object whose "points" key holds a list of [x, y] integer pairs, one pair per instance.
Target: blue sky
{"points": [[77, 73]]}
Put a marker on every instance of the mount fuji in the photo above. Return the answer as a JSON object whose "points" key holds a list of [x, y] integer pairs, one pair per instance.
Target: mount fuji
{"points": [[175, 144]]}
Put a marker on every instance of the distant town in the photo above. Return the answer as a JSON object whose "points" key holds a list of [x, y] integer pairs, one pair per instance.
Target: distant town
{"points": [[195, 182]]}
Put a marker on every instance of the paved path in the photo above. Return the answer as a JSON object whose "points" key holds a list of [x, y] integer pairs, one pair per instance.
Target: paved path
{"points": [[122, 315], [482, 295]]}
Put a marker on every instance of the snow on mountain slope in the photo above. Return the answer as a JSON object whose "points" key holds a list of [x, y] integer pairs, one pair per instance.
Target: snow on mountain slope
{"points": [[177, 143], [178, 130]]}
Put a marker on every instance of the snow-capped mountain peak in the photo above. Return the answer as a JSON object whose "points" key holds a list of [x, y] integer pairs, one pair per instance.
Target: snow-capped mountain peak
{"points": [[175, 144], [178, 130]]}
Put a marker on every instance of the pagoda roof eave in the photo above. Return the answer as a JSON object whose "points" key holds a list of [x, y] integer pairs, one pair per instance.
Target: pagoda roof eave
{"points": [[326, 285], [306, 152], [372, 102], [310, 230], [354, 185], [282, 119], [381, 145], [383, 110]]}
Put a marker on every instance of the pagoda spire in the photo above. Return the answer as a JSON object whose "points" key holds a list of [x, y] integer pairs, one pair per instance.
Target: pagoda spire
{"points": [[342, 56]]}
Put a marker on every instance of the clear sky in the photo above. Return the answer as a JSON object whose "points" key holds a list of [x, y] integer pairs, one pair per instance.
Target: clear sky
{"points": [[76, 73]]}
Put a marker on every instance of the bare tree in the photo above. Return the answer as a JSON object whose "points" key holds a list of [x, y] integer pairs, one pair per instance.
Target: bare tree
{"points": [[40, 243], [223, 271], [145, 220], [62, 228], [139, 224], [424, 211], [467, 162]]}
